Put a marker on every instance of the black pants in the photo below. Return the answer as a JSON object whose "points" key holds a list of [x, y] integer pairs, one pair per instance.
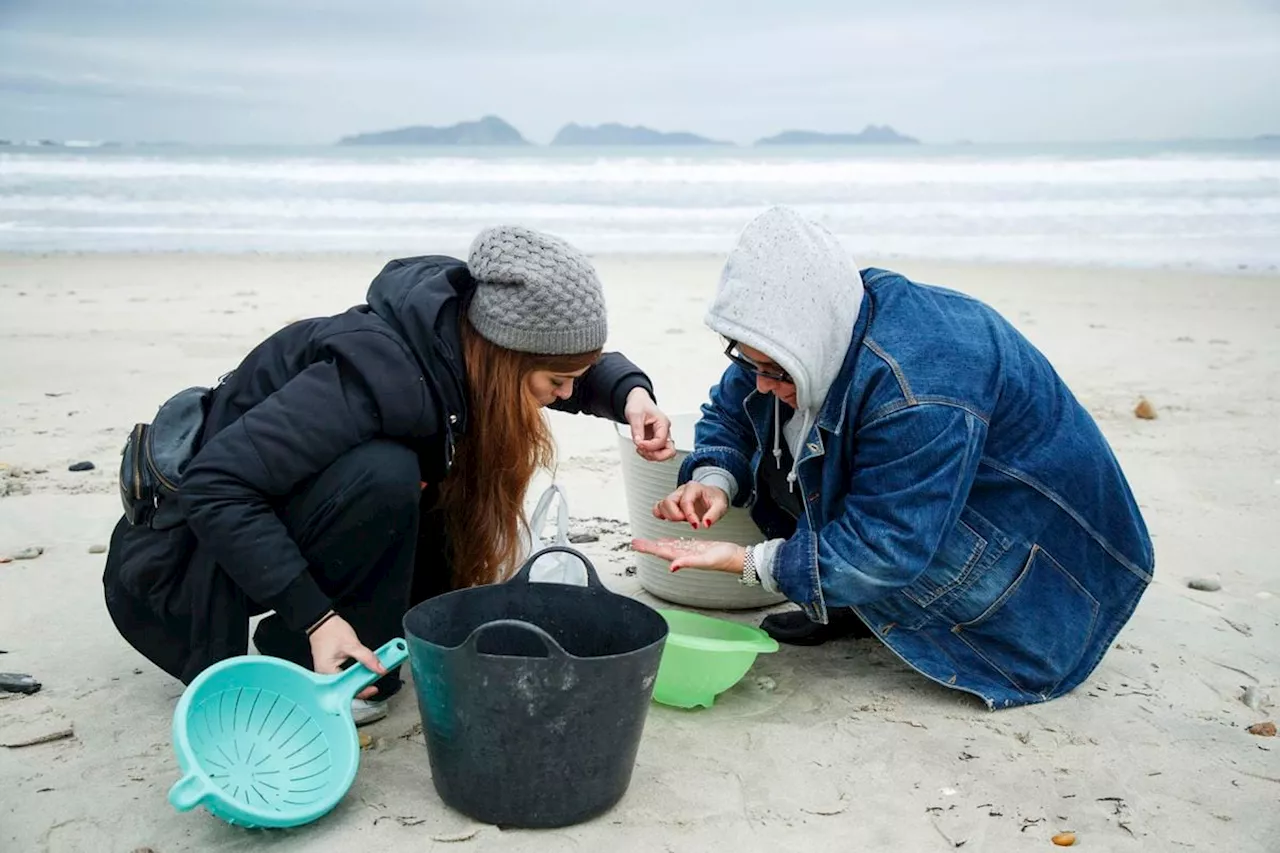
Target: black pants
{"points": [[356, 522]]}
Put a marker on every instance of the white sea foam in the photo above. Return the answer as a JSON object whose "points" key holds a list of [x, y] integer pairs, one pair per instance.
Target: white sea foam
{"points": [[1201, 208]]}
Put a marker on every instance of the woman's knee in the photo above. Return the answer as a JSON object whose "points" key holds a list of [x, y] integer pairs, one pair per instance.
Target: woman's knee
{"points": [[382, 475], [377, 481]]}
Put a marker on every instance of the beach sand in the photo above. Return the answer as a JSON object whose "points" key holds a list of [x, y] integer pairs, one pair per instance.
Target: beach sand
{"points": [[838, 747]]}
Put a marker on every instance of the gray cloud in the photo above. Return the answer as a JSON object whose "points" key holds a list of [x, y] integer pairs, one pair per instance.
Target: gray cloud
{"points": [[294, 71]]}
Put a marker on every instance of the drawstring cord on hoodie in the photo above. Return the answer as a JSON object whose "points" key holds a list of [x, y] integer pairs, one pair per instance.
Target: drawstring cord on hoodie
{"points": [[777, 431], [777, 444]]}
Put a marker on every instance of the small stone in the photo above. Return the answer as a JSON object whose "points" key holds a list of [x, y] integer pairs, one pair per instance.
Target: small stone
{"points": [[365, 741], [766, 684], [81, 466], [1254, 697], [29, 553], [1144, 410], [19, 682], [1267, 729], [581, 538], [1065, 839], [1205, 584], [97, 549]]}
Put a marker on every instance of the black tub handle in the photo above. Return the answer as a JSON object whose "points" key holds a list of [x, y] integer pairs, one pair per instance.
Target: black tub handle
{"points": [[593, 579], [553, 648]]}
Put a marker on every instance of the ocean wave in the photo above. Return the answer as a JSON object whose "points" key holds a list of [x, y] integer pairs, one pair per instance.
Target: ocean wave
{"points": [[657, 171], [668, 216]]}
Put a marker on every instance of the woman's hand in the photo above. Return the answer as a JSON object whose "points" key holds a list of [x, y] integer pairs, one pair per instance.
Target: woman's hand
{"points": [[699, 504], [650, 428], [691, 554], [334, 642]]}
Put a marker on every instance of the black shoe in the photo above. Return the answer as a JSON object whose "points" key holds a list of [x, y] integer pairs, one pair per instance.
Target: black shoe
{"points": [[796, 629]]}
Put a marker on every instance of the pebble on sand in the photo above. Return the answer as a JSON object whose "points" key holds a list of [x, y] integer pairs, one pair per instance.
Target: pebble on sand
{"points": [[1205, 584], [97, 549], [81, 466], [1267, 729], [1254, 697], [1065, 839], [1145, 410], [29, 553]]}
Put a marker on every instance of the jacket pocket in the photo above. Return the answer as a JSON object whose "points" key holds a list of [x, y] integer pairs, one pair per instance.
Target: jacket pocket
{"points": [[1036, 632], [965, 544], [148, 564]]}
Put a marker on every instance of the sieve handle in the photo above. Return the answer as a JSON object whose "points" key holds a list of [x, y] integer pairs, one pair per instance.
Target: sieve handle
{"points": [[338, 690], [187, 792]]}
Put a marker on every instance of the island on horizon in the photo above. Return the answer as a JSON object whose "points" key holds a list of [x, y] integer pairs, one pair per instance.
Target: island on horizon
{"points": [[870, 135], [492, 130], [613, 133], [489, 130]]}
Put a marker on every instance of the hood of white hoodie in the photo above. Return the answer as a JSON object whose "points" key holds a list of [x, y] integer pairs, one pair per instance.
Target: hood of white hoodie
{"points": [[790, 290]]}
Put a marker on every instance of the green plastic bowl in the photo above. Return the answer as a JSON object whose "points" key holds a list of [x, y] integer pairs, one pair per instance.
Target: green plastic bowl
{"points": [[704, 657]]}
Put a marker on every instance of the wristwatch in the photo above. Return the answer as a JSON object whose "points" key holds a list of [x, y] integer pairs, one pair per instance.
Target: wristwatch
{"points": [[750, 577]]}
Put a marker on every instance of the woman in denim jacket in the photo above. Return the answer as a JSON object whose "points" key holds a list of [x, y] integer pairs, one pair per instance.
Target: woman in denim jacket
{"points": [[920, 470]]}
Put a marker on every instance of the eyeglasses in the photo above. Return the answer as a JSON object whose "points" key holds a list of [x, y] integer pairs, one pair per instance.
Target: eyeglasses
{"points": [[742, 361]]}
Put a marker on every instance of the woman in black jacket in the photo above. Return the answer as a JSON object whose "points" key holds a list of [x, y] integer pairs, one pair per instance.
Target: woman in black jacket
{"points": [[352, 465]]}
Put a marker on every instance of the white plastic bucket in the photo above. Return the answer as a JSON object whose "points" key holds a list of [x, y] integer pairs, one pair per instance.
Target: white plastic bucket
{"points": [[649, 482]]}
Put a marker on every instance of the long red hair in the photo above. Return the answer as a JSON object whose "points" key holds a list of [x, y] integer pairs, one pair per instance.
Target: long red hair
{"points": [[506, 441]]}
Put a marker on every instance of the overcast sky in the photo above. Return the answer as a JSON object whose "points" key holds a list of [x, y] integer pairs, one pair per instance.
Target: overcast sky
{"points": [[300, 71]]}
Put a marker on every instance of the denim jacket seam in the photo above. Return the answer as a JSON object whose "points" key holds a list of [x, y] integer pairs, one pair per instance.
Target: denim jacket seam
{"points": [[883, 412], [991, 609], [1065, 507], [898, 405], [938, 399], [1036, 551], [1096, 658], [989, 662], [898, 373], [878, 276], [816, 574], [961, 580], [1093, 618], [928, 638]]}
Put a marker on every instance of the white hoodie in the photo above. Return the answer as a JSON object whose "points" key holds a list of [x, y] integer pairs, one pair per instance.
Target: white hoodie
{"points": [[791, 291]]}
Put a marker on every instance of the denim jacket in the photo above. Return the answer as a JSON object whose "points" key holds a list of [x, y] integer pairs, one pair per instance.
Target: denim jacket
{"points": [[956, 495]]}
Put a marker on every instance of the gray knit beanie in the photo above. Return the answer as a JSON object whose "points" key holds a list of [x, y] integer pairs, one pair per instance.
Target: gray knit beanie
{"points": [[535, 293]]}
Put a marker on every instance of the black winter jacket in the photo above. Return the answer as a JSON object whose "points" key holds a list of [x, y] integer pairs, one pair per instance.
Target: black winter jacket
{"points": [[389, 368]]}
